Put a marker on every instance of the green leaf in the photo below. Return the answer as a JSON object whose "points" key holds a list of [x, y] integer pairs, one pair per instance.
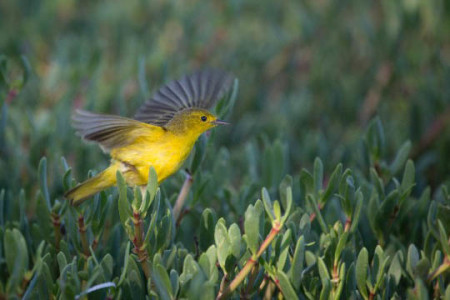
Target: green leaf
{"points": [[295, 273], [408, 177], [174, 282], [62, 262], [268, 204], [395, 268], [420, 291], [362, 266], [340, 287], [387, 208], [443, 238], [347, 192], [207, 226], [125, 265], [137, 199], [377, 182], [150, 192], [288, 205], [251, 227], [43, 218], [67, 177], [277, 210], [154, 218], [190, 268], [282, 188], [412, 259], [208, 263], [323, 270], [400, 158], [340, 246], [332, 184], [379, 266], [125, 212], [306, 182], [234, 235], [42, 177], [375, 138], [284, 250], [16, 256], [318, 175], [162, 282], [423, 268], [326, 289], [357, 210], [312, 202], [286, 287], [222, 242]]}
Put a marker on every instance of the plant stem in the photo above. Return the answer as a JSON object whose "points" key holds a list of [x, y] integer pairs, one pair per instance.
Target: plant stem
{"points": [[83, 235], [441, 269], [251, 281], [269, 290], [183, 195], [251, 262], [57, 228], [263, 283], [223, 283], [140, 249], [348, 224]]}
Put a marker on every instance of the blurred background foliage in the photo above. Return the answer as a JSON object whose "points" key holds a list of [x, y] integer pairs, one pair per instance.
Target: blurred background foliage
{"points": [[312, 74]]}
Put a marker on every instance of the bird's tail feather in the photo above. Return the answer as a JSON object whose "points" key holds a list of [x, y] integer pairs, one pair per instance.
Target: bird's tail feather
{"points": [[93, 185]]}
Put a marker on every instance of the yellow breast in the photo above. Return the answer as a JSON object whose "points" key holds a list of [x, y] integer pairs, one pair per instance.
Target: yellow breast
{"points": [[166, 154]]}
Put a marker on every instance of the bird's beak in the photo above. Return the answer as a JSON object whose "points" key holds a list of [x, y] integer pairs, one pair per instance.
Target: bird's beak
{"points": [[219, 122]]}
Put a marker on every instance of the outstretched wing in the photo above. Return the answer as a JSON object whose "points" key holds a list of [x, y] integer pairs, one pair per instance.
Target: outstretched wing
{"points": [[198, 90], [108, 130]]}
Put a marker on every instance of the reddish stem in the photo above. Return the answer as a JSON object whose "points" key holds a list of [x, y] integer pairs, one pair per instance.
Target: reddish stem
{"points": [[84, 241]]}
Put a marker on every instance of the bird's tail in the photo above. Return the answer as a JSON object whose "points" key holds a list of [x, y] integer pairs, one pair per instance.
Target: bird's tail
{"points": [[84, 190]]}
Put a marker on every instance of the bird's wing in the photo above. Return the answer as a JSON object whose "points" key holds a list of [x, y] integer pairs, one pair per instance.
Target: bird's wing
{"points": [[198, 90], [110, 131]]}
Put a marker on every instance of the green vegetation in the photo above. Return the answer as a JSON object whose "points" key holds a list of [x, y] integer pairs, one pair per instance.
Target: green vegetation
{"points": [[351, 98]]}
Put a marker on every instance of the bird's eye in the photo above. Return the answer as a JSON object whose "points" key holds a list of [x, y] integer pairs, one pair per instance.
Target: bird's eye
{"points": [[204, 118]]}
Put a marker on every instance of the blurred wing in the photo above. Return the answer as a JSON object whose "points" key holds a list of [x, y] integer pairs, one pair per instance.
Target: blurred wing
{"points": [[108, 130], [198, 90]]}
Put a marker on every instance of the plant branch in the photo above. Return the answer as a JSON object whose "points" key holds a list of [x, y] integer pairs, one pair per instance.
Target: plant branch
{"points": [[251, 262], [269, 290], [83, 236], [138, 242], [223, 283], [441, 269], [56, 221], [251, 281]]}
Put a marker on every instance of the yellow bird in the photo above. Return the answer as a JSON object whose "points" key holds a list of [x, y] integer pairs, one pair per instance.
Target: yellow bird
{"points": [[162, 134]]}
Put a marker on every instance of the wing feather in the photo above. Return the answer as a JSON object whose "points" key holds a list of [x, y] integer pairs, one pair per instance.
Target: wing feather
{"points": [[198, 90], [108, 130]]}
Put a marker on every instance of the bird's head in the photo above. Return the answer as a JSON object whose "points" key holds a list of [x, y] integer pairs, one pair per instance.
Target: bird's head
{"points": [[193, 122]]}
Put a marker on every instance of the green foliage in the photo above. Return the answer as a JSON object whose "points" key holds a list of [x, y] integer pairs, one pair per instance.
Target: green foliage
{"points": [[306, 257], [350, 98]]}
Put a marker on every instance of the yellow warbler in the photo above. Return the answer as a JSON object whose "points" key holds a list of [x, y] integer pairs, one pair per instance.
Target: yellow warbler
{"points": [[162, 134]]}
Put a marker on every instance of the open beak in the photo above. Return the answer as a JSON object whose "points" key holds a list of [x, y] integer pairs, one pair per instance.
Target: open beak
{"points": [[220, 122]]}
